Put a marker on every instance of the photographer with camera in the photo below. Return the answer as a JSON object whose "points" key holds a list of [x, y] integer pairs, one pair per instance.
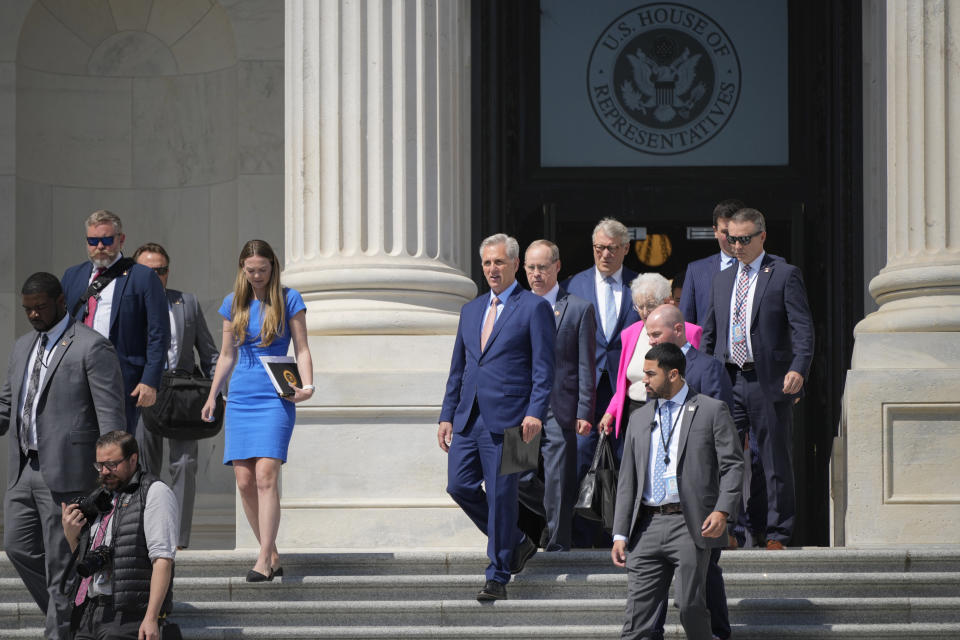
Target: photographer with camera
{"points": [[63, 389], [126, 547]]}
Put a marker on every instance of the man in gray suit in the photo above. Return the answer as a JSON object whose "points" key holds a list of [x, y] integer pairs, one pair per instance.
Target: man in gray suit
{"points": [[63, 389], [188, 329], [679, 480], [571, 401]]}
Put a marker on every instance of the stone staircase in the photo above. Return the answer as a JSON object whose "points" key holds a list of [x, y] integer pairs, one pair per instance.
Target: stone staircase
{"points": [[798, 593]]}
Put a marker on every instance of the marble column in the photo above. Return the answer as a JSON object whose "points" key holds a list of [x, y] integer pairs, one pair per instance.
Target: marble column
{"points": [[895, 474], [377, 240]]}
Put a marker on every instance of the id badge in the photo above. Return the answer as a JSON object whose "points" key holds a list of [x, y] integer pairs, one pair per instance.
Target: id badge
{"points": [[738, 333], [670, 481]]}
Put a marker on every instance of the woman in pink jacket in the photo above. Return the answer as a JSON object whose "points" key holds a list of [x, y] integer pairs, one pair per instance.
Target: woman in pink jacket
{"points": [[649, 291]]}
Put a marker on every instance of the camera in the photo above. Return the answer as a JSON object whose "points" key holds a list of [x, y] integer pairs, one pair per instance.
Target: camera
{"points": [[94, 561], [94, 504]]}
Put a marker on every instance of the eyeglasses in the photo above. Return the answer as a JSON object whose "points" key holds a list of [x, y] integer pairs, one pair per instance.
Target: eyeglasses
{"points": [[109, 464], [647, 306], [612, 248], [107, 241], [161, 271], [537, 268], [744, 240]]}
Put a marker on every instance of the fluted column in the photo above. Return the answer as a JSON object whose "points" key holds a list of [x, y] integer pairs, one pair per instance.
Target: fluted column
{"points": [[377, 153], [894, 476], [377, 230], [919, 289]]}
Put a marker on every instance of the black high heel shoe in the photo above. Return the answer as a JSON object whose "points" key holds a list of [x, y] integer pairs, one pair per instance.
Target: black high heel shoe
{"points": [[256, 576]]}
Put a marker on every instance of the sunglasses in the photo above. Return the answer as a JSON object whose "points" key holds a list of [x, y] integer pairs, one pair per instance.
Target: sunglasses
{"points": [[744, 240], [109, 464], [106, 241], [161, 271]]}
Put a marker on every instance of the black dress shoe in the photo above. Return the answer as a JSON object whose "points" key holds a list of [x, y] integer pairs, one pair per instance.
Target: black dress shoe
{"points": [[523, 552], [277, 573], [492, 590], [256, 576]]}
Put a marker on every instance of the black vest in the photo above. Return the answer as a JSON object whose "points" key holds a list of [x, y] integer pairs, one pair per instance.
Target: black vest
{"points": [[132, 569]]}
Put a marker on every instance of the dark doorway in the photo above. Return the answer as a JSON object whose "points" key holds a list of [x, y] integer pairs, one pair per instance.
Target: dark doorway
{"points": [[812, 203]]}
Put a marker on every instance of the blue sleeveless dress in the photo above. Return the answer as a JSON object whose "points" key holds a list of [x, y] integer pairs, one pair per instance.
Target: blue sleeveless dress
{"points": [[258, 423]]}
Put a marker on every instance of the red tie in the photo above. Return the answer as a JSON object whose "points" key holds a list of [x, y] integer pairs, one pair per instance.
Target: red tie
{"points": [[97, 541], [92, 303]]}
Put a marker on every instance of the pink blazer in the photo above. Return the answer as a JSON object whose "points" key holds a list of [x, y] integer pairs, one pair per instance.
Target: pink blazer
{"points": [[629, 337]]}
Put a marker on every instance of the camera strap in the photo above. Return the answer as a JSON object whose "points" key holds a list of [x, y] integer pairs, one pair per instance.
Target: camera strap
{"points": [[100, 283]]}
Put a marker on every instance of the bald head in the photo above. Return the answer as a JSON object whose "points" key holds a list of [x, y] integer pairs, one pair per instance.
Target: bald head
{"points": [[665, 324]]}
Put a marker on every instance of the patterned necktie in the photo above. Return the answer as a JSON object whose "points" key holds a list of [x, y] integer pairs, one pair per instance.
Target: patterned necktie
{"points": [[488, 323], [659, 466], [92, 302], [26, 418], [738, 351], [97, 541], [610, 309]]}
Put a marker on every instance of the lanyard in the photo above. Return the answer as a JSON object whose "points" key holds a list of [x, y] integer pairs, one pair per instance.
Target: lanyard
{"points": [[673, 427]]}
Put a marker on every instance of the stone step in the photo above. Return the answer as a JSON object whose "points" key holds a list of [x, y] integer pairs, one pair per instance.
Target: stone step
{"points": [[745, 611], [580, 632], [535, 586]]}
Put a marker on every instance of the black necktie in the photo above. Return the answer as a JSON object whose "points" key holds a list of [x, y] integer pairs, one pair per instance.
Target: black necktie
{"points": [[32, 387]]}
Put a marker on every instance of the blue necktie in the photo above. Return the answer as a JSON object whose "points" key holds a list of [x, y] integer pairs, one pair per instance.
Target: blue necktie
{"points": [[610, 312], [659, 466]]}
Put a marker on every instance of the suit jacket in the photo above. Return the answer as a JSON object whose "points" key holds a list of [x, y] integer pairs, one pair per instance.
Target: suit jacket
{"points": [[191, 329], [513, 377], [781, 327], [584, 285], [139, 322], [574, 385], [630, 336], [709, 466], [697, 285], [81, 398], [708, 376]]}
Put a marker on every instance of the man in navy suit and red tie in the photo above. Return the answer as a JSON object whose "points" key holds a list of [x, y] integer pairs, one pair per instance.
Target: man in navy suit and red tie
{"points": [[759, 325], [501, 375], [700, 273], [129, 309]]}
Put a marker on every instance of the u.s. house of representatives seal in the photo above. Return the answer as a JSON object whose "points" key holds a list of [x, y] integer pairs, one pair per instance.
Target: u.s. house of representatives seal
{"points": [[663, 78]]}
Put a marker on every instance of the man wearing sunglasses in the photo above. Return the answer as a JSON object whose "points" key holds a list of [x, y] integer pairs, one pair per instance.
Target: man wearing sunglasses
{"points": [[188, 330], [128, 592], [125, 303], [759, 325], [63, 389]]}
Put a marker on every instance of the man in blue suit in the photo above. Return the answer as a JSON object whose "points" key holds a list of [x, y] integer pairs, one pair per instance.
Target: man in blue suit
{"points": [[501, 375], [707, 376], [607, 287], [759, 325], [698, 280], [130, 310], [571, 402]]}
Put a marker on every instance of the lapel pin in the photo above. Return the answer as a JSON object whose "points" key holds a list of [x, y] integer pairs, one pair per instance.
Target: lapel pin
{"points": [[690, 409], [556, 312], [766, 269]]}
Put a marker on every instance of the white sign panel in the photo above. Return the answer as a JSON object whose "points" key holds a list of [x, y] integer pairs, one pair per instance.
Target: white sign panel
{"points": [[702, 83]]}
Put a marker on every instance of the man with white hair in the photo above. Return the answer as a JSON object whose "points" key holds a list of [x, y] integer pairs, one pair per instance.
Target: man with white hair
{"points": [[501, 375], [607, 286]]}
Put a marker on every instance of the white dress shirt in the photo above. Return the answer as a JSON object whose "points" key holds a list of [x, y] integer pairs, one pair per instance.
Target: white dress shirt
{"points": [[747, 307], [601, 284], [101, 318], [53, 339], [174, 349]]}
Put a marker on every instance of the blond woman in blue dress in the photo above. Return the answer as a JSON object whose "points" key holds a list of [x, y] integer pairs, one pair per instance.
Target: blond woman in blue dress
{"points": [[260, 317]]}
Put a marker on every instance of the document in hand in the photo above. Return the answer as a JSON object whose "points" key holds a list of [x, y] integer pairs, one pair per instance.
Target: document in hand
{"points": [[283, 372], [518, 455]]}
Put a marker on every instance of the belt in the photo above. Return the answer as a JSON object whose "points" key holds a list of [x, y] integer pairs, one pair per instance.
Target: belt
{"points": [[747, 366], [662, 509]]}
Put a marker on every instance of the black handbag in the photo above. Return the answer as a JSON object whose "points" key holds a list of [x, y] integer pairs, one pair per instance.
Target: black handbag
{"points": [[598, 490], [177, 412]]}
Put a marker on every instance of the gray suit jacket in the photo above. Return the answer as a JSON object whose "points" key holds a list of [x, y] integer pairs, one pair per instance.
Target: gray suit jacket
{"points": [[81, 398], [574, 387], [709, 466], [191, 330]]}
